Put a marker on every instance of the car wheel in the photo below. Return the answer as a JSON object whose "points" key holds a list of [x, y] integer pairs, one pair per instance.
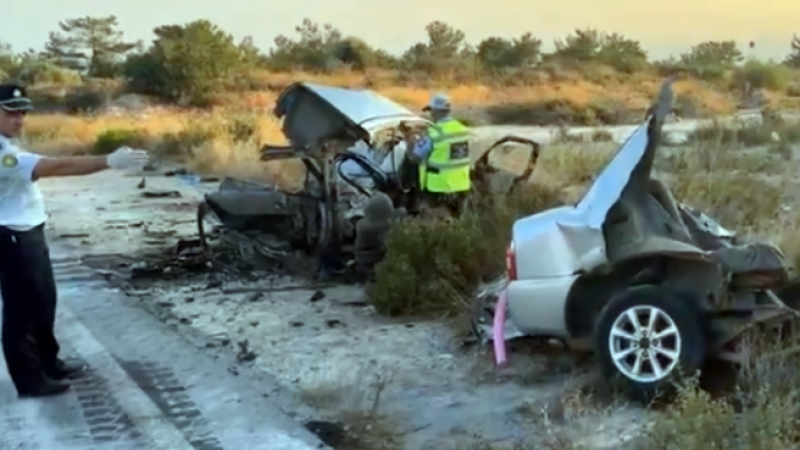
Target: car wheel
{"points": [[646, 339]]}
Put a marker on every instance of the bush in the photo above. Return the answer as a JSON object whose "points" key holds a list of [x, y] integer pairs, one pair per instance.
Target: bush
{"points": [[86, 100], [43, 72], [763, 75], [433, 264], [793, 90], [242, 128], [183, 143], [706, 71], [758, 411], [602, 136], [771, 130], [110, 140], [430, 265], [740, 201]]}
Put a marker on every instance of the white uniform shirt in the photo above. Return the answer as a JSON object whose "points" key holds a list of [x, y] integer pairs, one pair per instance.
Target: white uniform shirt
{"points": [[21, 203]]}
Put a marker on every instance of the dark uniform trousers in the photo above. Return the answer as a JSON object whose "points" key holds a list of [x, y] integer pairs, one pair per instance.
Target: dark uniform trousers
{"points": [[29, 296], [408, 174]]}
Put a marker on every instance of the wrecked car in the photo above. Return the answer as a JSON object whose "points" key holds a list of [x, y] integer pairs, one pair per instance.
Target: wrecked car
{"points": [[652, 286], [353, 155]]}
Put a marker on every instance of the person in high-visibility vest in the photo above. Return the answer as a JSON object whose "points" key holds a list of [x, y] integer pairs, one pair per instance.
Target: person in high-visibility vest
{"points": [[442, 156]]}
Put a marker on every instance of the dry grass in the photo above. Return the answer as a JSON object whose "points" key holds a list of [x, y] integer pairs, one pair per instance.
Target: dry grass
{"points": [[352, 401], [575, 88]]}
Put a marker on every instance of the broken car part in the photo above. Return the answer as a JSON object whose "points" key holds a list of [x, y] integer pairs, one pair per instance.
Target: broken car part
{"points": [[652, 286]]}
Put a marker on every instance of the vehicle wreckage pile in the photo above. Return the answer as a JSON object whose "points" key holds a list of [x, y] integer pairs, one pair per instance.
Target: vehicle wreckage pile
{"points": [[654, 288], [356, 182]]}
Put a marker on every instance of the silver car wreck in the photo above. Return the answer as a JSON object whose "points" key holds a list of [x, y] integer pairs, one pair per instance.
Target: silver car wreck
{"points": [[355, 166], [653, 287]]}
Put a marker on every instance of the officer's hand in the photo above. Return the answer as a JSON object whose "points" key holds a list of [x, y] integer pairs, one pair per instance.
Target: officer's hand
{"points": [[404, 129], [127, 158]]}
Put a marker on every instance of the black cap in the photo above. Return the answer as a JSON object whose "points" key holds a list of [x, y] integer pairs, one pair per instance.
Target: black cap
{"points": [[13, 97]]}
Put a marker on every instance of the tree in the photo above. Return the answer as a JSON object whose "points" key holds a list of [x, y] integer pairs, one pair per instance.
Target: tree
{"points": [[314, 50], [186, 63], [793, 60], [251, 55], [8, 60], [527, 49], [88, 43], [495, 52], [499, 53], [444, 41], [445, 50], [722, 53], [614, 49], [581, 46], [710, 60], [621, 53], [356, 53]]}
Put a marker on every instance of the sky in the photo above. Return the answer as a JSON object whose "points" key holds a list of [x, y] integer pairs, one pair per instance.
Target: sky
{"points": [[664, 27]]}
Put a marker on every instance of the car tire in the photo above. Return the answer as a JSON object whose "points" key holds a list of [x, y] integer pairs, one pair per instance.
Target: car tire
{"points": [[632, 360]]}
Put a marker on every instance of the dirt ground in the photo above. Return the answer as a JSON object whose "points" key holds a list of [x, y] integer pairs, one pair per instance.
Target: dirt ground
{"points": [[326, 344]]}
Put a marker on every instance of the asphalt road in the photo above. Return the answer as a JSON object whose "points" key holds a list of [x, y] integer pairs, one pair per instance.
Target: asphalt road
{"points": [[147, 388]]}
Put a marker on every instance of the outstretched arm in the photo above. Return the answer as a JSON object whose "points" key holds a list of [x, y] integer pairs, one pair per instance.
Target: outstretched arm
{"points": [[30, 166], [67, 167]]}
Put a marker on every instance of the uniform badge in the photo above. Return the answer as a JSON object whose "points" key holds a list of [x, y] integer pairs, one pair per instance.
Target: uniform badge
{"points": [[9, 161], [17, 93]]}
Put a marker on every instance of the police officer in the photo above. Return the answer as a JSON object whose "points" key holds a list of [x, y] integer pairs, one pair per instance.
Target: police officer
{"points": [[442, 156], [26, 275]]}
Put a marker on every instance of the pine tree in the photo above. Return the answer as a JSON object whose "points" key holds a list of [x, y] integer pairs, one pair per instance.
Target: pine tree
{"points": [[793, 60], [93, 44]]}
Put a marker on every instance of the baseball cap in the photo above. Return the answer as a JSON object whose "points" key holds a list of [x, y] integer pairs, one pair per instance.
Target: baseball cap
{"points": [[13, 97], [438, 102]]}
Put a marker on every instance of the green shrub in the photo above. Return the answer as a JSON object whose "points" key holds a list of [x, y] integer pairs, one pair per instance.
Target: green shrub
{"points": [[793, 90], [86, 100], [183, 143], [110, 140], [763, 75], [707, 71], [430, 265], [43, 72], [734, 134], [433, 264], [601, 135]]}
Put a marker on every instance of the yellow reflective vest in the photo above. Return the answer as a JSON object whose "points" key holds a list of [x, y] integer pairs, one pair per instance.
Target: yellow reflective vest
{"points": [[447, 169]]}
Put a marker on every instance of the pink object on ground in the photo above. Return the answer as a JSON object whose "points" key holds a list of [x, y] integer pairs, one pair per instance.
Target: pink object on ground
{"points": [[498, 330]]}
